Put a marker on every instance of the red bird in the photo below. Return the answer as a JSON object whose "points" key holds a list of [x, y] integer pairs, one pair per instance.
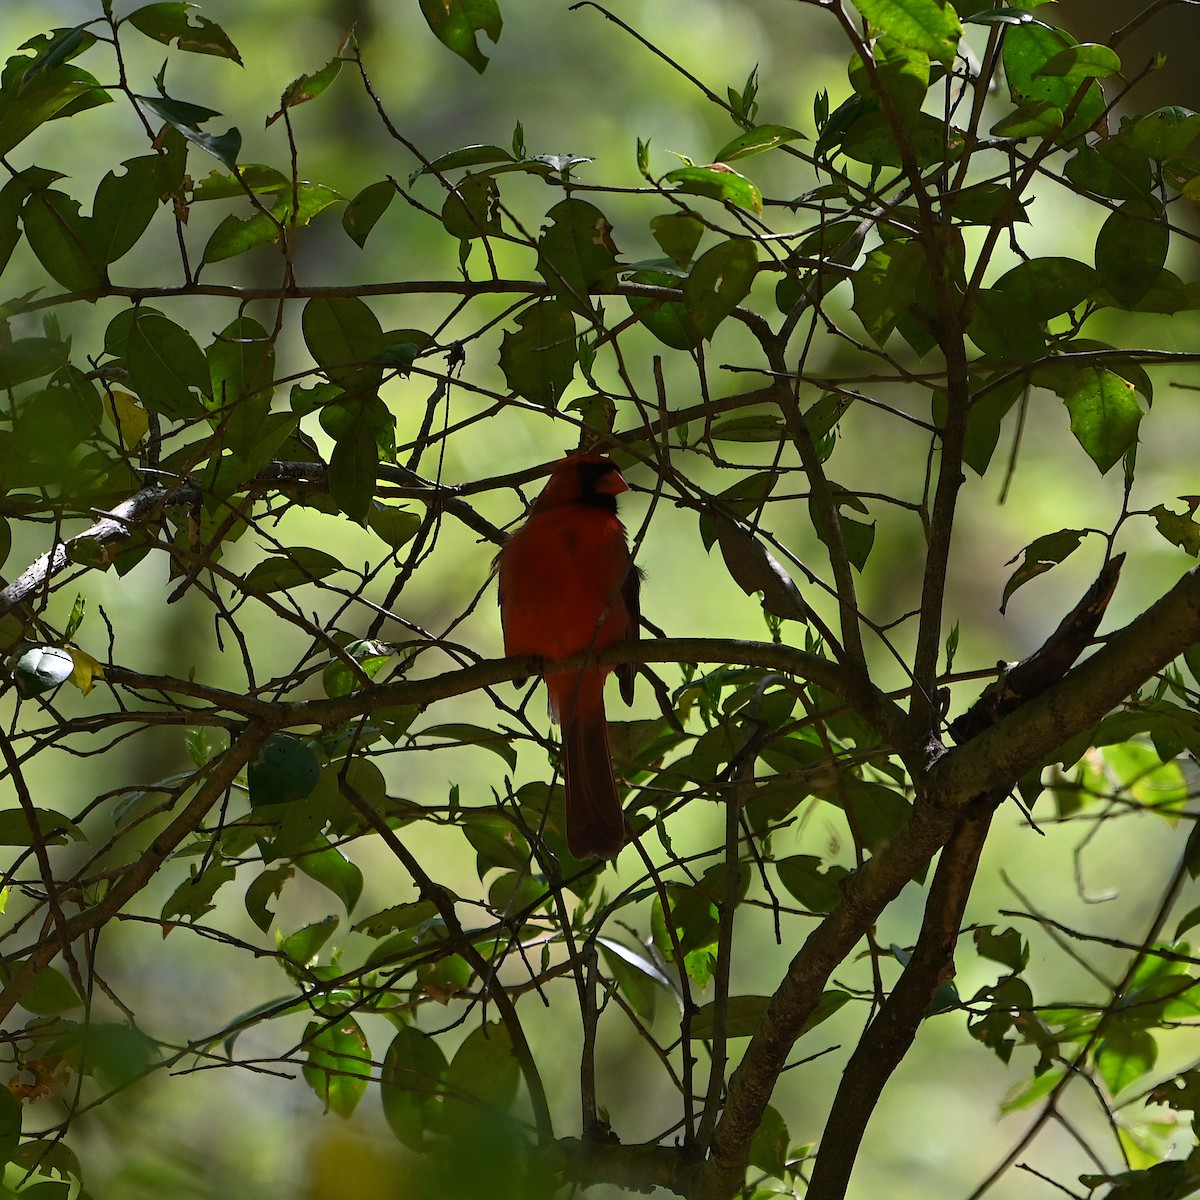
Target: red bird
{"points": [[568, 587]]}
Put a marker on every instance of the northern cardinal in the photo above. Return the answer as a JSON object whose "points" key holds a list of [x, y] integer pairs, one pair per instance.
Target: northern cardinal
{"points": [[568, 587]]}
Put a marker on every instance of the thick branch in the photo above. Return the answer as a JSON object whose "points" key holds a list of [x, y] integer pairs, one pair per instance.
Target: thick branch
{"points": [[1001, 755], [890, 1035]]}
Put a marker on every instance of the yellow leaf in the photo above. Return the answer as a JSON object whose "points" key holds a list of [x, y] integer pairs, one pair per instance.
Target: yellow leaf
{"points": [[128, 416], [87, 669]]}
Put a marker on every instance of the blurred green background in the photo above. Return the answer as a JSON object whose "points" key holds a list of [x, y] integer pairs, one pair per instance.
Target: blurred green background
{"points": [[578, 84]]}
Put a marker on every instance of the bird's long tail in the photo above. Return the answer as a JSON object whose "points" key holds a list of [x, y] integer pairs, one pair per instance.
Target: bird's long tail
{"points": [[595, 821]]}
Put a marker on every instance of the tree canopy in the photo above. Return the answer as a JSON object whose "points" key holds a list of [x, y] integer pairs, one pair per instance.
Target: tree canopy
{"points": [[900, 371]]}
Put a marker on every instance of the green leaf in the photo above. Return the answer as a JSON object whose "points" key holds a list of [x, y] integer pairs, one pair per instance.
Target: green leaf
{"points": [[576, 252], [1131, 249], [394, 525], [283, 769], [667, 320], [742, 1016], [1036, 119], [983, 423], [769, 1147], [900, 72], [124, 206], [338, 1066], [1116, 168], [43, 96], [166, 367], [412, 1085], [329, 867], [1165, 132], [1027, 48], [266, 887], [717, 182], [1105, 415], [678, 233], [886, 285], [755, 570], [819, 891], [168, 22], [343, 335], [756, 141], [1124, 1057], [931, 26], [296, 207], [51, 992], [718, 282], [482, 1076], [538, 361], [30, 358], [352, 470], [456, 23], [366, 208], [1087, 59], [1004, 328], [465, 156], [187, 118], [1048, 287], [241, 366], [60, 238], [1039, 556], [53, 828], [1180, 529], [307, 87], [194, 896], [472, 735], [295, 566]]}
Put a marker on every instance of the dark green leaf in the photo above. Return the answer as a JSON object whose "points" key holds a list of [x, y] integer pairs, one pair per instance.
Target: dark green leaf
{"points": [[819, 891], [123, 207], [667, 320], [742, 1016], [53, 828], [754, 569], [1048, 287], [538, 361], [1166, 132], [898, 71], [333, 870], [194, 896], [1117, 168], [293, 567], [871, 139], [168, 22], [576, 252], [10, 1125], [1039, 556], [342, 334], [266, 887], [29, 358], [1131, 250], [366, 208], [718, 282], [1180, 529], [455, 23], [296, 207], [472, 735], [166, 367], [188, 118], [769, 1148], [1004, 328], [467, 156], [60, 238], [352, 470], [412, 1085], [483, 1075], [1033, 119], [59, 91], [678, 233], [472, 209], [283, 769]]}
